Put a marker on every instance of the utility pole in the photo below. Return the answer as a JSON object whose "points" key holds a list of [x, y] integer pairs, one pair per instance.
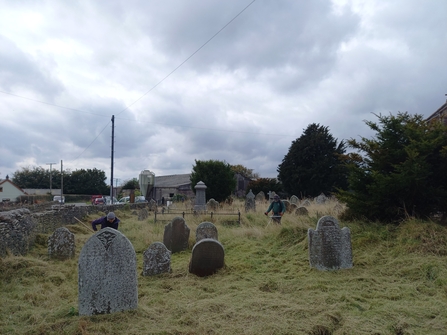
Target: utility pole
{"points": [[111, 172], [50, 164], [62, 184]]}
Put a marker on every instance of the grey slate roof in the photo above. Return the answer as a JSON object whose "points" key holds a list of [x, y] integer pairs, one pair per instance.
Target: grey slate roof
{"points": [[174, 180]]}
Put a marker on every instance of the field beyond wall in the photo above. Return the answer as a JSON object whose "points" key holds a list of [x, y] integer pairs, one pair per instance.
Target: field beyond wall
{"points": [[398, 284]]}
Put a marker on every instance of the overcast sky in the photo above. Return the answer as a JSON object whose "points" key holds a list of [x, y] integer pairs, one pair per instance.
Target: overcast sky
{"points": [[234, 80]]}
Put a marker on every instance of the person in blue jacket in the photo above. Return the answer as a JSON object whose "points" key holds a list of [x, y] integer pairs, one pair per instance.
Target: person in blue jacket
{"points": [[278, 208], [110, 220]]}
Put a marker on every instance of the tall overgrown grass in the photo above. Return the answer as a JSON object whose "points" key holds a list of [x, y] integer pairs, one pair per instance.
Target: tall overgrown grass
{"points": [[398, 284]]}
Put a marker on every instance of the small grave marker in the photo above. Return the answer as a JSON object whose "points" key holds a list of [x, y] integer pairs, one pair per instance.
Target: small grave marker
{"points": [[156, 259], [61, 244], [176, 235], [206, 230], [207, 257], [329, 246]]}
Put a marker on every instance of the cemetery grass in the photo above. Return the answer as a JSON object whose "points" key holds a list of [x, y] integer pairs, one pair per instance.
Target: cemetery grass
{"points": [[398, 284]]}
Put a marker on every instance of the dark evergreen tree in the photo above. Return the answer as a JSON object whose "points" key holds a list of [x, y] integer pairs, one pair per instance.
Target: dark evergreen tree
{"points": [[400, 172], [90, 181], [217, 176], [314, 164]]}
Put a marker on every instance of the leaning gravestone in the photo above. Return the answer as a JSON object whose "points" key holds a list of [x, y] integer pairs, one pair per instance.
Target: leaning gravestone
{"points": [[156, 259], [250, 203], [301, 211], [176, 235], [61, 244], [107, 274], [329, 246], [207, 257], [206, 230]]}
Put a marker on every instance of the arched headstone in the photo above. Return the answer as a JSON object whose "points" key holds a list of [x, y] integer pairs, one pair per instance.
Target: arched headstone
{"points": [[61, 244], [207, 257], [329, 246], [294, 199], [107, 274], [212, 205], [206, 230], [156, 259], [176, 235], [301, 211]]}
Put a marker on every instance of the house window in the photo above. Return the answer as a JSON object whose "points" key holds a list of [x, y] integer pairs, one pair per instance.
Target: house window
{"points": [[1, 189]]}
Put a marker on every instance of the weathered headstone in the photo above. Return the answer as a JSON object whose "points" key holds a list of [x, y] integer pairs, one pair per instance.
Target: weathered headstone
{"points": [[306, 203], [176, 235], [287, 204], [207, 257], [107, 274], [206, 230], [329, 246], [250, 204], [301, 211], [143, 214], [260, 197], [200, 204], [294, 199], [152, 205], [271, 195], [321, 199], [156, 259], [212, 205], [61, 244]]}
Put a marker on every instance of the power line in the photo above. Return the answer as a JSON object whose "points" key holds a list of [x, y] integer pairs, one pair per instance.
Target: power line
{"points": [[188, 58]]}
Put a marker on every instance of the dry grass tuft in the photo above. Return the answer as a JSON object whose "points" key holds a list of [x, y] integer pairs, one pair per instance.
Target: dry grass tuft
{"points": [[398, 284]]}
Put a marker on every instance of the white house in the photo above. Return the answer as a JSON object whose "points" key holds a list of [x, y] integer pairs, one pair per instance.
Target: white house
{"points": [[10, 191]]}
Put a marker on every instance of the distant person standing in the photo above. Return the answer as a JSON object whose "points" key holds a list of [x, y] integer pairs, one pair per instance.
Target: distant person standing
{"points": [[110, 220], [278, 208]]}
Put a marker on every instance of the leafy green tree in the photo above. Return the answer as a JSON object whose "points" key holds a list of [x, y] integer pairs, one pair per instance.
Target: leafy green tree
{"points": [[246, 172], [217, 176], [400, 172], [313, 164], [36, 177], [131, 184], [90, 181], [265, 185]]}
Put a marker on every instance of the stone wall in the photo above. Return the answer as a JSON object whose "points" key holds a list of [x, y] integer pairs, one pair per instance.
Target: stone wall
{"points": [[17, 232], [19, 227]]}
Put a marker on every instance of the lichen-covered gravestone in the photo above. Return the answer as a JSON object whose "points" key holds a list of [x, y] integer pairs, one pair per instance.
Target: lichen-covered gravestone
{"points": [[176, 235], [212, 205], [329, 246], [156, 259], [107, 274], [207, 257], [206, 230], [250, 203], [143, 214], [260, 197], [61, 244], [294, 199], [17, 232], [301, 211]]}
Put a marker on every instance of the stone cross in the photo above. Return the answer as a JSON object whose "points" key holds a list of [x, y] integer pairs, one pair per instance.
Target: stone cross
{"points": [[107, 274], [61, 244], [157, 259], [207, 257], [329, 246], [176, 235]]}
